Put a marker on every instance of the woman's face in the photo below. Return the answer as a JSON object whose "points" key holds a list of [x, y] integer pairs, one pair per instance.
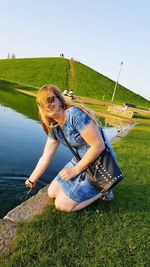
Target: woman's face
{"points": [[53, 104]]}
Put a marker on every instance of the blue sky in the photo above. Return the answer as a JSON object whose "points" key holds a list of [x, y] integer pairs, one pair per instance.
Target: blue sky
{"points": [[98, 33]]}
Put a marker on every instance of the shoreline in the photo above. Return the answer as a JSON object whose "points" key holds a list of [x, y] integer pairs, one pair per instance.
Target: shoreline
{"points": [[122, 133]]}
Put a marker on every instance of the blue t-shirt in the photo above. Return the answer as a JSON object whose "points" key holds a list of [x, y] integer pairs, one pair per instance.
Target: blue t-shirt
{"points": [[76, 121]]}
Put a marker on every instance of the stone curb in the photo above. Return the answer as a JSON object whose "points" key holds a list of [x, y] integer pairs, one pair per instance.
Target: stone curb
{"points": [[8, 232], [30, 208], [24, 212]]}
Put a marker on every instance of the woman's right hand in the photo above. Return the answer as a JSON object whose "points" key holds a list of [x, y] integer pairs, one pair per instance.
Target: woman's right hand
{"points": [[29, 183]]}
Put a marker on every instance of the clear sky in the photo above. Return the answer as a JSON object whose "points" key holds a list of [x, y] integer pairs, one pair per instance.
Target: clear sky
{"points": [[98, 33]]}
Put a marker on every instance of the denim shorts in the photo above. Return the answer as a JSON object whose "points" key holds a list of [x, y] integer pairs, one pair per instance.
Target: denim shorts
{"points": [[76, 189]]}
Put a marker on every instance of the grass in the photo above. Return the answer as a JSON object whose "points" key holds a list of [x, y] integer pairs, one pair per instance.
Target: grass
{"points": [[93, 84], [34, 72], [96, 107], [142, 116], [8, 85], [107, 235]]}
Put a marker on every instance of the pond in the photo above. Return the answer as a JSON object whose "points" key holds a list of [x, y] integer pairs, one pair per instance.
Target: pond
{"points": [[21, 144]]}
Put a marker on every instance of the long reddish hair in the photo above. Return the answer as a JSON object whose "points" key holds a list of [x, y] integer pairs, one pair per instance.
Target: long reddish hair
{"points": [[41, 98]]}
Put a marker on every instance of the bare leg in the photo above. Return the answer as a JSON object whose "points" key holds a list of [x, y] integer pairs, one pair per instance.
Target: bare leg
{"points": [[63, 202], [86, 203], [54, 189]]}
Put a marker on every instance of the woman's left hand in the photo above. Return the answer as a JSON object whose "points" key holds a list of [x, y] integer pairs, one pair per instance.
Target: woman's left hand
{"points": [[68, 173]]}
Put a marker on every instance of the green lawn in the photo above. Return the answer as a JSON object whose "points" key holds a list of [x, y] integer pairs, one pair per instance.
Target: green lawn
{"points": [[106, 235], [93, 84], [36, 71]]}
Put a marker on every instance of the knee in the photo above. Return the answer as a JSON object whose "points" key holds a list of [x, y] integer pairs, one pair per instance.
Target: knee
{"points": [[50, 192], [54, 189], [59, 205]]}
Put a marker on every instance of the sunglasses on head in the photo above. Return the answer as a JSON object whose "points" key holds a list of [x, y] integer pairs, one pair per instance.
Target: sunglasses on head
{"points": [[51, 99]]}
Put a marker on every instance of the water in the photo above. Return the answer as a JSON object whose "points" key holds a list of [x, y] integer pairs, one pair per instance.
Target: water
{"points": [[21, 143]]}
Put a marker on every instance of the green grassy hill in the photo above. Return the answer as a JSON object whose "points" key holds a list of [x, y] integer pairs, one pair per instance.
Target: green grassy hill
{"points": [[66, 74]]}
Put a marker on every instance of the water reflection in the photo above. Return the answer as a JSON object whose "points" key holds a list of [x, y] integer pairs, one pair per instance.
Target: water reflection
{"points": [[117, 122], [25, 105]]}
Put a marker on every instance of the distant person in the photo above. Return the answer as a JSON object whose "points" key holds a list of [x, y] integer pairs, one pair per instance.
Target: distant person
{"points": [[71, 188], [70, 94], [65, 92]]}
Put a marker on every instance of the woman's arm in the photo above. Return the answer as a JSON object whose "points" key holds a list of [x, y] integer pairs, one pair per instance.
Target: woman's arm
{"points": [[93, 138], [44, 161]]}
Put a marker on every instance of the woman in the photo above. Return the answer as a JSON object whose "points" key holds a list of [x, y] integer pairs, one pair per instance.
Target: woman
{"points": [[82, 132]]}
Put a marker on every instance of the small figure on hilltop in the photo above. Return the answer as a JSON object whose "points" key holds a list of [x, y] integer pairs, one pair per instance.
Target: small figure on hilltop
{"points": [[70, 189], [61, 55]]}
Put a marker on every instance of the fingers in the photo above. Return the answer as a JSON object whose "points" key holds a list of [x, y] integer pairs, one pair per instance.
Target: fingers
{"points": [[30, 184], [64, 175], [67, 174]]}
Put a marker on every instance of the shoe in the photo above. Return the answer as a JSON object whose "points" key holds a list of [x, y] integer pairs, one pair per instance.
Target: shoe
{"points": [[108, 196]]}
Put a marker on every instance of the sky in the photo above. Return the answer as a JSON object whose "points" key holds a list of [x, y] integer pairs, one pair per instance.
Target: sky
{"points": [[99, 33]]}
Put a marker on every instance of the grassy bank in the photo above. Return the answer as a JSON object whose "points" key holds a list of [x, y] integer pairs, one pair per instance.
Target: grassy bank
{"points": [[107, 235], [35, 71]]}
